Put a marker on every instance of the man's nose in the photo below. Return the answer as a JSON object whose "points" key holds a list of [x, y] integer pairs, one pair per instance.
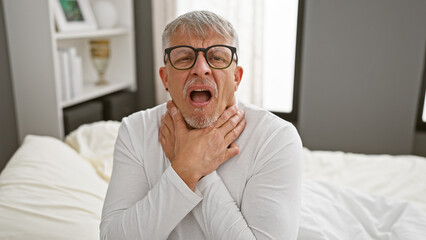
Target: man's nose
{"points": [[201, 67]]}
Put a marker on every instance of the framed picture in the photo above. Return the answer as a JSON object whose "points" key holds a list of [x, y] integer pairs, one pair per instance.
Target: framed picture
{"points": [[74, 15]]}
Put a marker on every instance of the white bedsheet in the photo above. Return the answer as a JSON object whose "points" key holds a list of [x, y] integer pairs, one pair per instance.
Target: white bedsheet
{"points": [[359, 196], [332, 212], [398, 177]]}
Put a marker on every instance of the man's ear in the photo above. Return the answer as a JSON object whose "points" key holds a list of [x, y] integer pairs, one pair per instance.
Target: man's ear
{"points": [[163, 75], [238, 74]]}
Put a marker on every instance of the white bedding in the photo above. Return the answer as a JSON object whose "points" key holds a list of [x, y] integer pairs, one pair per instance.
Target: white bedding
{"points": [[335, 212], [358, 196], [95, 142], [50, 191], [399, 177]]}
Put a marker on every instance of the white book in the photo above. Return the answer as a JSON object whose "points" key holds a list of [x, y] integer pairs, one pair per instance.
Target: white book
{"points": [[62, 76], [72, 54], [77, 76], [65, 74]]}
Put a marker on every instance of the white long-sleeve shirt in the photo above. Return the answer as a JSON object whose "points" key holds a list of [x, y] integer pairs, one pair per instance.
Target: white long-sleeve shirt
{"points": [[254, 195]]}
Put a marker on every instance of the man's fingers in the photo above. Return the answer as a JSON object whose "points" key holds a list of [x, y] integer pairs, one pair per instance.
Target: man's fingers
{"points": [[226, 115], [234, 133], [161, 138], [163, 126], [168, 122], [231, 151], [161, 135], [232, 123], [164, 130], [170, 104], [178, 121]]}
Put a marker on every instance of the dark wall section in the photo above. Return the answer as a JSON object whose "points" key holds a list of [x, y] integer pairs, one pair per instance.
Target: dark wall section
{"points": [[144, 54], [8, 132]]}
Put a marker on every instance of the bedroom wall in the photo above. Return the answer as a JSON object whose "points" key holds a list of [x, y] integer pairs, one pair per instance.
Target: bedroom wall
{"points": [[361, 70], [419, 147], [8, 134], [362, 65]]}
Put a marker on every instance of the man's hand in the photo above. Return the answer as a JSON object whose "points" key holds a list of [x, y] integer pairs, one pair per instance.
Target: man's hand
{"points": [[166, 135], [195, 153]]}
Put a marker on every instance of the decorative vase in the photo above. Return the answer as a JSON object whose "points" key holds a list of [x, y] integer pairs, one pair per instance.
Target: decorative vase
{"points": [[100, 52], [106, 13]]}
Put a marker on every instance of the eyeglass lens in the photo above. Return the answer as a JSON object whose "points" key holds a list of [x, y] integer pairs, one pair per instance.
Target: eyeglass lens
{"points": [[217, 57]]}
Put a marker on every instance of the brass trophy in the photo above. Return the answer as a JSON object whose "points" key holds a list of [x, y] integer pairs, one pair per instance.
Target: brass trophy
{"points": [[100, 52]]}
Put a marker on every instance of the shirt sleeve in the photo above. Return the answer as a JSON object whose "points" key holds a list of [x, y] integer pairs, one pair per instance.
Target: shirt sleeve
{"points": [[270, 207], [134, 211]]}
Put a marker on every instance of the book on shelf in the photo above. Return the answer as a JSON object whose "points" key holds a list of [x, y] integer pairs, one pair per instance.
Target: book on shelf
{"points": [[71, 73]]}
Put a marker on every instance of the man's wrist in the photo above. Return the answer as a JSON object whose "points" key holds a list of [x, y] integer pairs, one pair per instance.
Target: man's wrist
{"points": [[190, 178]]}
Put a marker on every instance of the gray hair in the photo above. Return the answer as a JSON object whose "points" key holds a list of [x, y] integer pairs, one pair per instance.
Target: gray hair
{"points": [[199, 24]]}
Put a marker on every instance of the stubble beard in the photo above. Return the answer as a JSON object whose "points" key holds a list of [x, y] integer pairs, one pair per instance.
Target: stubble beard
{"points": [[201, 121]]}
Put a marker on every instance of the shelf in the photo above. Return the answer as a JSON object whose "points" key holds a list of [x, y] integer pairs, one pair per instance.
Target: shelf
{"points": [[36, 68], [91, 91], [91, 34]]}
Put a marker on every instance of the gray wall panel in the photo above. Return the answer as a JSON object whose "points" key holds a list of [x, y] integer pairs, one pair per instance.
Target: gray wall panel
{"points": [[361, 70], [8, 134]]}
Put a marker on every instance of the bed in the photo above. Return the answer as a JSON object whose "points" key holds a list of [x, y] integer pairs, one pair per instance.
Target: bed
{"points": [[53, 189]]}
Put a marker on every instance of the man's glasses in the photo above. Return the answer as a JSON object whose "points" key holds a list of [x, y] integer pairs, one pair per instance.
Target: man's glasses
{"points": [[217, 56]]}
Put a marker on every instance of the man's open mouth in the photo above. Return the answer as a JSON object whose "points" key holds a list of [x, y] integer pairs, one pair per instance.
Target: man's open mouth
{"points": [[200, 92], [200, 95]]}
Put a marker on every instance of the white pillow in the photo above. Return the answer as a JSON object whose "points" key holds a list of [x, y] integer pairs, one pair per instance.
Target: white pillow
{"points": [[48, 191], [95, 142]]}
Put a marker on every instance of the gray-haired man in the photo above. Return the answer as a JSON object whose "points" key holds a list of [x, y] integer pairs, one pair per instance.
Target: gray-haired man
{"points": [[220, 169]]}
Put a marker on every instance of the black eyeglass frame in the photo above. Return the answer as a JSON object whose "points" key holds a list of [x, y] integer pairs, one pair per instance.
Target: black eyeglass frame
{"points": [[204, 50]]}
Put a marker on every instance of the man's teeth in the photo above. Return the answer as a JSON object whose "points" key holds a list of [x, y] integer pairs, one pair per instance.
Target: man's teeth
{"points": [[200, 90]]}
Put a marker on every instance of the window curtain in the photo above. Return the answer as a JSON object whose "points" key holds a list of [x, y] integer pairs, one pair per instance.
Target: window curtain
{"points": [[246, 17]]}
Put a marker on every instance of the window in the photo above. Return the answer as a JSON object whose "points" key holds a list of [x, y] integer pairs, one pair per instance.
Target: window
{"points": [[421, 114], [282, 49], [424, 110], [279, 40]]}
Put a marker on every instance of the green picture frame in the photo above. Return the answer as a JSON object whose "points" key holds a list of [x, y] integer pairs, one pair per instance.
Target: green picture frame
{"points": [[74, 15]]}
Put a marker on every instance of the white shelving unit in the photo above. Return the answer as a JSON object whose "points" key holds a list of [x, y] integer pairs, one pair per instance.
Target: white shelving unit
{"points": [[33, 43]]}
